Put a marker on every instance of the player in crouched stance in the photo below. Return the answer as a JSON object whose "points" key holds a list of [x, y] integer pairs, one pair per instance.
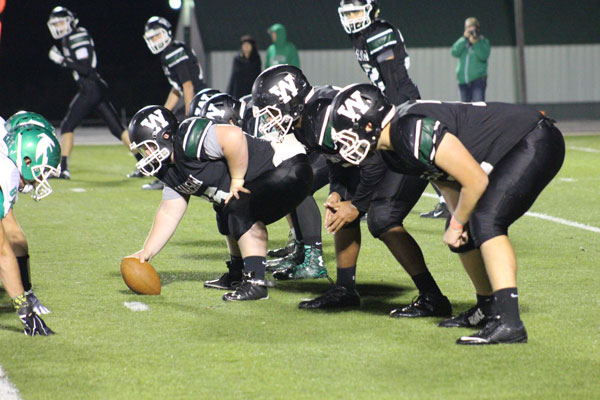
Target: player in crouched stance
{"points": [[491, 161], [253, 182], [31, 157]]}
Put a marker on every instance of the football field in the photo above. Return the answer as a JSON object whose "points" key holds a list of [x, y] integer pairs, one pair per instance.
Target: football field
{"points": [[189, 344]]}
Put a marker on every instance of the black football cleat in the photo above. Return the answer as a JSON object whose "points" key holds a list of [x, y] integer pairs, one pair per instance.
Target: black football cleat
{"points": [[286, 250], [225, 282], [334, 297], [64, 174], [425, 305], [474, 317], [250, 289], [136, 174], [496, 332], [440, 211]]}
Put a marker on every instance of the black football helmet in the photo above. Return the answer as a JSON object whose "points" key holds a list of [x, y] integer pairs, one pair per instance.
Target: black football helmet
{"points": [[279, 94], [198, 101], [357, 118], [61, 22], [357, 15], [222, 109], [158, 34], [152, 131]]}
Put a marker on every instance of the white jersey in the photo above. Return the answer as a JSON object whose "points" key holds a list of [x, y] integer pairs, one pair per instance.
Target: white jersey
{"points": [[9, 184]]}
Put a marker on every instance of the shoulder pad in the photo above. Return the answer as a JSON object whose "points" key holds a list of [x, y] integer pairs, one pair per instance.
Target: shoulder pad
{"points": [[79, 38], [193, 131], [381, 36]]}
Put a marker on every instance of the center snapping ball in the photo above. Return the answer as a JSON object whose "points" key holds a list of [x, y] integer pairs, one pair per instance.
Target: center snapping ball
{"points": [[141, 277]]}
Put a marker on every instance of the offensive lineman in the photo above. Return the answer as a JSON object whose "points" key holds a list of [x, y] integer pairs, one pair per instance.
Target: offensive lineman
{"points": [[78, 54], [380, 51], [352, 193], [253, 182], [491, 161]]}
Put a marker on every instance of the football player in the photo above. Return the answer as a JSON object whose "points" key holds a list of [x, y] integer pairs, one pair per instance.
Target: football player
{"points": [[279, 94], [33, 155], [15, 125], [352, 193], [381, 53], [491, 161], [77, 53], [252, 182], [180, 66]]}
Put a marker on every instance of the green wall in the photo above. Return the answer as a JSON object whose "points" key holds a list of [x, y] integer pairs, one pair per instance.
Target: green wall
{"points": [[314, 24]]}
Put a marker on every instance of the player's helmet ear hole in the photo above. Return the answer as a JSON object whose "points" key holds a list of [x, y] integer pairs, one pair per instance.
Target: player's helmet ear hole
{"points": [[27, 161]]}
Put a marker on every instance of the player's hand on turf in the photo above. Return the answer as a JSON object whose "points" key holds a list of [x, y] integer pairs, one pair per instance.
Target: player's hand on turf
{"points": [[237, 186], [143, 255], [343, 213], [35, 303], [455, 238], [33, 324], [56, 56]]}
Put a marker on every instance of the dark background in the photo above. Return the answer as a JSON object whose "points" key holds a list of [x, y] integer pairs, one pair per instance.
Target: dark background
{"points": [[29, 80]]}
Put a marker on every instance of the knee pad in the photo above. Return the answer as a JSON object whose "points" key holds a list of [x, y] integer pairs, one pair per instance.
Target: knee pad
{"points": [[380, 218]]}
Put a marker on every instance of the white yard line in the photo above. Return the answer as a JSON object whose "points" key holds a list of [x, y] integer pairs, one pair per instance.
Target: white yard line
{"points": [[547, 218], [8, 391], [584, 149], [136, 306]]}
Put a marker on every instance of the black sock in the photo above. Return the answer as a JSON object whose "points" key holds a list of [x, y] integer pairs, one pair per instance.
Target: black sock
{"points": [[256, 265], [426, 284], [346, 277], [485, 303], [506, 303], [23, 262], [64, 163], [307, 222], [235, 266]]}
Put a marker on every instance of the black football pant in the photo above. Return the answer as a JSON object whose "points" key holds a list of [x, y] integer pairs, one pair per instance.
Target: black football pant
{"points": [[92, 96]]}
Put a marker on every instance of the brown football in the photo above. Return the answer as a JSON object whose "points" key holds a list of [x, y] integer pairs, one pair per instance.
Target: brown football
{"points": [[141, 277]]}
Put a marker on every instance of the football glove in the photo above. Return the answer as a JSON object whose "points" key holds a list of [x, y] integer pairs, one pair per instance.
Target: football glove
{"points": [[35, 303], [56, 56]]}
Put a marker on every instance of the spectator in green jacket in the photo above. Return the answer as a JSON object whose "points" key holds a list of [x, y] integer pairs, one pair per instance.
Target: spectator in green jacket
{"points": [[281, 51], [472, 50]]}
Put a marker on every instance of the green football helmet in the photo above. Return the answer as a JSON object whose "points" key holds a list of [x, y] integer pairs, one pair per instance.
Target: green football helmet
{"points": [[28, 118], [36, 154]]}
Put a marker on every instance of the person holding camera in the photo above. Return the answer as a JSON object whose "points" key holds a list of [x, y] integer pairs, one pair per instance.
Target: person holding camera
{"points": [[472, 50]]}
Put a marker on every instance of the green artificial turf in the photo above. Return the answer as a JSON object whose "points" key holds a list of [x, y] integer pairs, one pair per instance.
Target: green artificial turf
{"points": [[192, 345]]}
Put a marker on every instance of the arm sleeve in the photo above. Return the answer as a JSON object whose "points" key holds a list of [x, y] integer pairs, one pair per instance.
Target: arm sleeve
{"points": [[482, 49], [459, 47], [372, 171], [335, 170], [182, 72]]}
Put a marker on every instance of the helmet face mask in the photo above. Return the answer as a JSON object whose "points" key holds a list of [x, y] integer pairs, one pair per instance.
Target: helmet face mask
{"points": [[152, 156], [357, 15], [61, 22], [278, 95], [273, 125], [151, 133], [359, 113], [157, 34], [41, 174]]}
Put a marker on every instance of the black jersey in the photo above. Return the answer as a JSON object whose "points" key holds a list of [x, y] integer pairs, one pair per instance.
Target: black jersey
{"points": [[487, 130], [180, 65], [196, 173], [373, 47], [80, 55]]}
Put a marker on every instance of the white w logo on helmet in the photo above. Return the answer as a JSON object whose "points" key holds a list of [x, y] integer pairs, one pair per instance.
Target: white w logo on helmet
{"points": [[214, 112], [44, 146], [353, 103], [284, 88], [155, 121]]}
